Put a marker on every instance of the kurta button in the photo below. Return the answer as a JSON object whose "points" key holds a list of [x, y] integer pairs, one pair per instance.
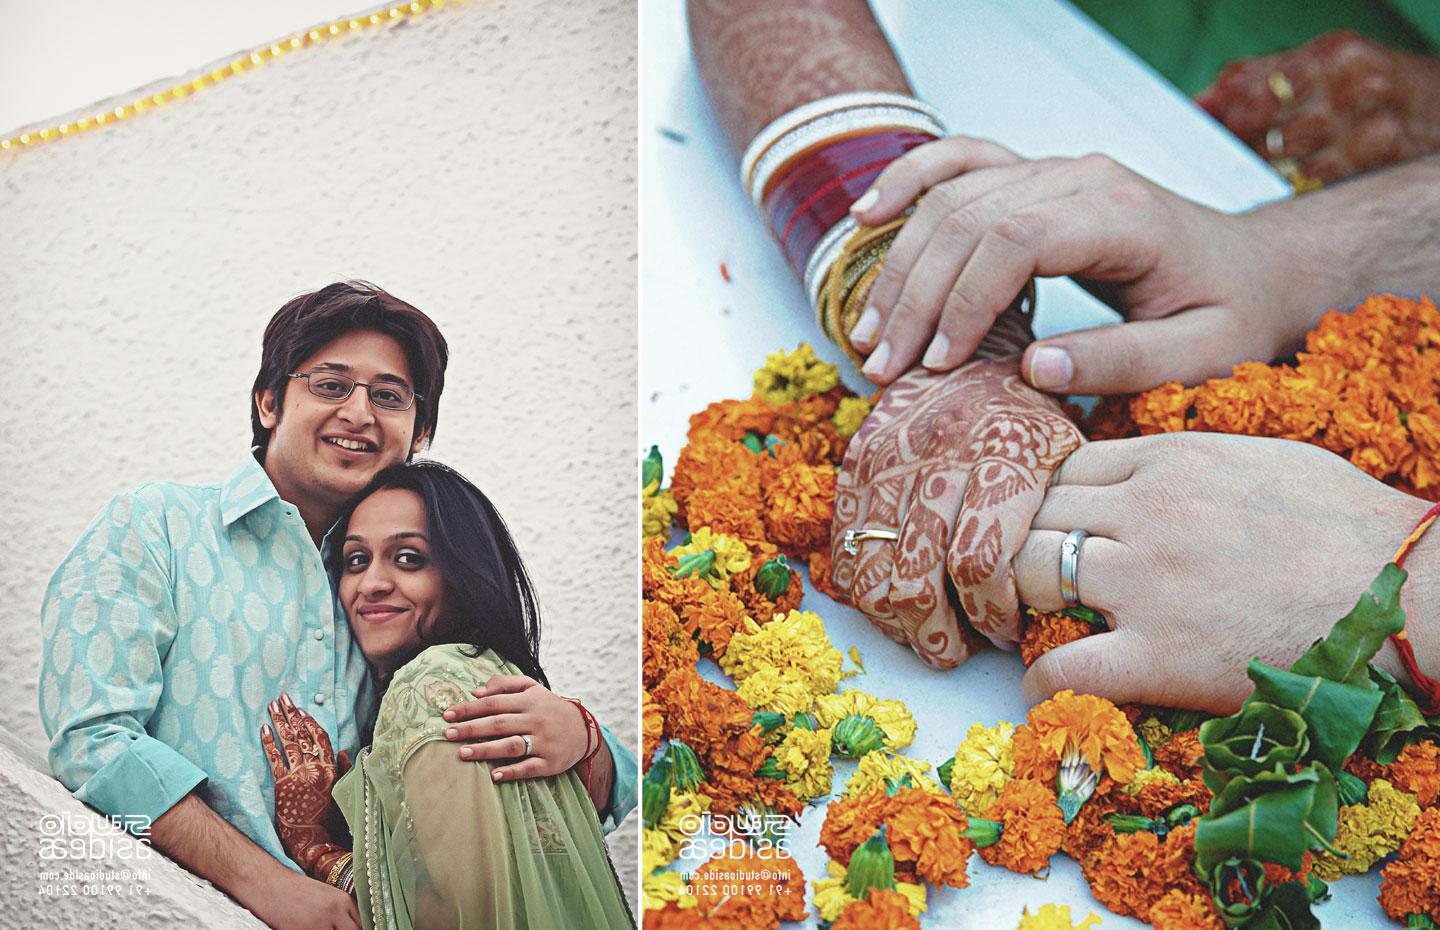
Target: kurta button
{"points": [[318, 634], [319, 699]]}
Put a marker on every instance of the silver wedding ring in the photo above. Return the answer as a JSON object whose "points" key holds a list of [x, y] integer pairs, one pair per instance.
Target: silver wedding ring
{"points": [[853, 538], [526, 753], [1070, 567]]}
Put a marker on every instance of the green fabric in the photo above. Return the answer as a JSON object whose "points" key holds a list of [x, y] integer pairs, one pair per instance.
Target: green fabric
{"points": [[438, 843], [1190, 41]]}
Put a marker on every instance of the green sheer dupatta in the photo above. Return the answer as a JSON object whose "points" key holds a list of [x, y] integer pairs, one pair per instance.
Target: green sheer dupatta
{"points": [[439, 844]]}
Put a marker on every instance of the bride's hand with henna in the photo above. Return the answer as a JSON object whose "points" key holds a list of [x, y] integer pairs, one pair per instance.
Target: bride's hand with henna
{"points": [[956, 464], [1206, 550]]}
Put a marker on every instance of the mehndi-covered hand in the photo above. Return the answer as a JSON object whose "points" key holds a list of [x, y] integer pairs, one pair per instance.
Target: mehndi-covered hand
{"points": [[1335, 106], [957, 463], [305, 771]]}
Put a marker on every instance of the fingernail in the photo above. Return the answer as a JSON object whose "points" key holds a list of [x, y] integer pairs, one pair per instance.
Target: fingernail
{"points": [[451, 733], [938, 355], [449, 715], [466, 753], [499, 775], [274, 708], [866, 201], [1051, 368], [875, 364], [285, 699], [863, 335]]}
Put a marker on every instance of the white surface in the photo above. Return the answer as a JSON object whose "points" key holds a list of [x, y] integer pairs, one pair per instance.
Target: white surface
{"points": [[1036, 77], [477, 161], [61, 55]]}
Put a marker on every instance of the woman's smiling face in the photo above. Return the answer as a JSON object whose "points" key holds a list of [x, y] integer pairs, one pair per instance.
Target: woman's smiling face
{"points": [[390, 587]]}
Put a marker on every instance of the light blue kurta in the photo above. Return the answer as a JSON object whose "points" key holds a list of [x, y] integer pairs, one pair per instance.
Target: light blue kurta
{"points": [[180, 613]]}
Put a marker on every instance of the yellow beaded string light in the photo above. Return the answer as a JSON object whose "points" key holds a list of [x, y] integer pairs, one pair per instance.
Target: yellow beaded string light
{"points": [[246, 61]]}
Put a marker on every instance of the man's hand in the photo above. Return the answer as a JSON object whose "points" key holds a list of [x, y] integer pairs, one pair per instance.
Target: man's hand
{"points": [[305, 771], [1337, 105], [957, 465], [1192, 281], [1208, 549], [294, 902]]}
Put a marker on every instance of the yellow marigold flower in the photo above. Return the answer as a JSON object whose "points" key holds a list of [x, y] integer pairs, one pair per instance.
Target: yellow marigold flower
{"points": [[776, 689], [731, 554], [1145, 777], [657, 848], [891, 716], [1369, 832], [878, 766], [657, 510], [984, 763], [661, 887], [795, 644], [794, 375], [1054, 917], [849, 415], [831, 897], [1156, 733], [804, 756]]}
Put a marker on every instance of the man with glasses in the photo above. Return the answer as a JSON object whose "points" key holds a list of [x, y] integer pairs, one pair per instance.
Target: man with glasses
{"points": [[183, 610]]}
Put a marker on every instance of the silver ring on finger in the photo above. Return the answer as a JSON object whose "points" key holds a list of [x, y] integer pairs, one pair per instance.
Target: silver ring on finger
{"points": [[528, 747], [1070, 567], [853, 538]]}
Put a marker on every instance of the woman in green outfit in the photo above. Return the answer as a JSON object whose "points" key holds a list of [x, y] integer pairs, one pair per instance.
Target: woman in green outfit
{"points": [[440, 602]]}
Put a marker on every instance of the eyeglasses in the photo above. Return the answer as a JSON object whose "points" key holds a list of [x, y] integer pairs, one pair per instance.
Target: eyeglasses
{"points": [[385, 395]]}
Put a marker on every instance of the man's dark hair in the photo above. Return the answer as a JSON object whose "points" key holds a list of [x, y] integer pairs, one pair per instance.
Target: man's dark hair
{"points": [[309, 321], [489, 600]]}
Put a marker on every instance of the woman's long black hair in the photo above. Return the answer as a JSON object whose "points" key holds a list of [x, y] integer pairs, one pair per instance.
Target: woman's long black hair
{"points": [[489, 602]]}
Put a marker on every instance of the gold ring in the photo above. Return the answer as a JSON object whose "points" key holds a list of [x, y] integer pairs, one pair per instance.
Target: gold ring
{"points": [[1281, 87], [1275, 142]]}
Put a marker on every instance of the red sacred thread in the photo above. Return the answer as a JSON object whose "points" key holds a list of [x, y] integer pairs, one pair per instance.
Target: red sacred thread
{"points": [[592, 727], [1428, 687]]}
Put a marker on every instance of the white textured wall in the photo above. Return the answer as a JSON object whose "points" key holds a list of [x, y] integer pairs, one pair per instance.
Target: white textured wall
{"points": [[478, 162]]}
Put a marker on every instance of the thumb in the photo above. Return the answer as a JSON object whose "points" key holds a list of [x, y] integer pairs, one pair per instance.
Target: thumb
{"points": [[1109, 665], [1189, 347]]}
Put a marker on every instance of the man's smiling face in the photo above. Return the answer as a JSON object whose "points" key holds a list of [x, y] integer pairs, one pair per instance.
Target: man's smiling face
{"points": [[323, 451]]}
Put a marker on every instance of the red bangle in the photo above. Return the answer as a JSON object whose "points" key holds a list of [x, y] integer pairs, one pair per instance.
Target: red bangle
{"points": [[1428, 687], [813, 191]]}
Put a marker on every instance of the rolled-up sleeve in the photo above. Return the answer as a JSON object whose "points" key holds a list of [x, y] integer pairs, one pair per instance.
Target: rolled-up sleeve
{"points": [[624, 793], [107, 622]]}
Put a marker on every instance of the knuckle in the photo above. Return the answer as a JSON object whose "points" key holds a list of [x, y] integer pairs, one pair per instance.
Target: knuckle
{"points": [[1098, 163], [1022, 229], [961, 224], [907, 311]]}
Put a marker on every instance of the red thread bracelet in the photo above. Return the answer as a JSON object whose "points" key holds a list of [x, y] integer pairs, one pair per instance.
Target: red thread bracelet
{"points": [[1428, 687]]}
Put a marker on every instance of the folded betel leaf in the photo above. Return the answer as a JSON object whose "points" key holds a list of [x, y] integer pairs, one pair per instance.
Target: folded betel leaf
{"points": [[1286, 908], [1238, 888], [1351, 790], [1345, 654], [652, 468], [1397, 723], [1338, 715], [1273, 817], [1256, 739]]}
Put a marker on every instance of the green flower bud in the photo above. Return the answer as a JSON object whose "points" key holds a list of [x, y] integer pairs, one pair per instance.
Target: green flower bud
{"points": [[771, 769], [856, 735], [803, 722], [753, 442], [773, 578], [767, 719], [652, 468], [696, 563], [1133, 823], [685, 772], [983, 832], [872, 866], [893, 785], [655, 791], [945, 770]]}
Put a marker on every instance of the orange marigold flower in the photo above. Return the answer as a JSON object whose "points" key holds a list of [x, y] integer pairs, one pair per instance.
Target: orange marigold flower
{"points": [[1131, 872], [1110, 419], [1178, 910], [926, 832], [758, 604], [1045, 631], [819, 565], [1365, 768], [1156, 797], [665, 644], [1417, 771], [1089, 830], [799, 501], [652, 727], [781, 897], [700, 713], [1093, 725], [1032, 827], [725, 511], [715, 618], [655, 565], [714, 463], [1164, 409], [732, 419], [1411, 884], [882, 909], [1181, 755]]}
